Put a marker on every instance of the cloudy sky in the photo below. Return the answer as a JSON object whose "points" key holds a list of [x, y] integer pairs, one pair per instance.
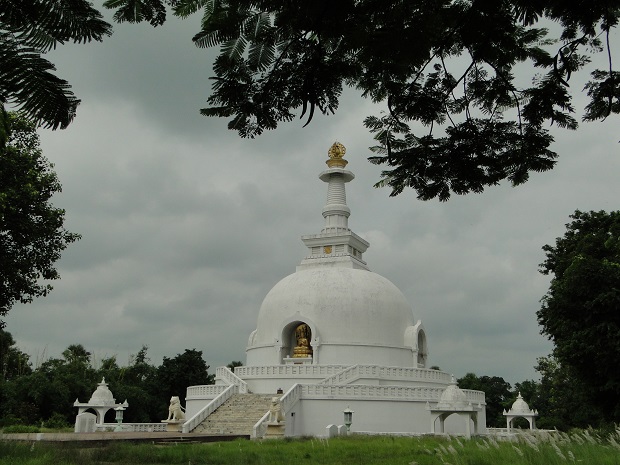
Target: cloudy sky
{"points": [[186, 226]]}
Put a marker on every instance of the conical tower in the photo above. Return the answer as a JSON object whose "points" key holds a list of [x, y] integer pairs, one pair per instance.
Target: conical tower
{"points": [[336, 244]]}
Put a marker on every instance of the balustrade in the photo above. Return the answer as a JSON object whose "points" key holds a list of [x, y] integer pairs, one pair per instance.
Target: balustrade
{"points": [[208, 409], [207, 390]]}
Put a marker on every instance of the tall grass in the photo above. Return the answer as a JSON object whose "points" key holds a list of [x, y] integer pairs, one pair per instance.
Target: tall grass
{"points": [[582, 447]]}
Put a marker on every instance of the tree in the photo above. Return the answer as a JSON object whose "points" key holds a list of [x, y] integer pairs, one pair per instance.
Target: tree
{"points": [[563, 401], [28, 30], [57, 383], [174, 375], [13, 362], [497, 395], [581, 311], [136, 383], [456, 117], [32, 233], [234, 364]]}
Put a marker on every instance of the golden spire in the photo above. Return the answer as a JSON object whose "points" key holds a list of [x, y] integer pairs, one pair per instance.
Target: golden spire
{"points": [[336, 152]]}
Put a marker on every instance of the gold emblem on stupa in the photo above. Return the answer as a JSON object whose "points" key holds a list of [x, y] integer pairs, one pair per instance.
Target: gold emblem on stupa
{"points": [[336, 153]]}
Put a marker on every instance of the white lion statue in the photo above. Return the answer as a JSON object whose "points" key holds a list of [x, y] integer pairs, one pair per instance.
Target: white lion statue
{"points": [[275, 411], [175, 410]]}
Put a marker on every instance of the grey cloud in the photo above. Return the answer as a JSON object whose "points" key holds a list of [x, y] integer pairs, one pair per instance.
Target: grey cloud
{"points": [[186, 227]]}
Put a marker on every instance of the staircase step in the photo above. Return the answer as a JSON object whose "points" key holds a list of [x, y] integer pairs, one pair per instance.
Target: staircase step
{"points": [[237, 415]]}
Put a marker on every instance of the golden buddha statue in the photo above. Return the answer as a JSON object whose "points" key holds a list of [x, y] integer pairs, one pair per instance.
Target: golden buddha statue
{"points": [[302, 335]]}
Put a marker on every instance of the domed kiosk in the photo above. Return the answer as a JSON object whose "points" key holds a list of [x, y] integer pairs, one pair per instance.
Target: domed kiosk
{"points": [[333, 335], [520, 409]]}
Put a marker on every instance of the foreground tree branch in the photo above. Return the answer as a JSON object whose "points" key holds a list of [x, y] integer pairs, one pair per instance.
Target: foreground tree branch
{"points": [[280, 58]]}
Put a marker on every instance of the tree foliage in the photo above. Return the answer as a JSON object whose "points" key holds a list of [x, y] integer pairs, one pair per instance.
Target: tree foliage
{"points": [[47, 393], [234, 364], [497, 392], [456, 117], [187, 369], [13, 362], [562, 399], [32, 233], [580, 312], [28, 30]]}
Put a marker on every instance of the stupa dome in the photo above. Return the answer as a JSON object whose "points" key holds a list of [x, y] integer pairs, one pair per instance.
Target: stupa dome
{"points": [[102, 395], [347, 305]]}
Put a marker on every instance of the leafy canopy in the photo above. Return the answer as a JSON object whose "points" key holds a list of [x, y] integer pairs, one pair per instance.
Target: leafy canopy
{"points": [[498, 395], [456, 117], [580, 312], [28, 30], [32, 233]]}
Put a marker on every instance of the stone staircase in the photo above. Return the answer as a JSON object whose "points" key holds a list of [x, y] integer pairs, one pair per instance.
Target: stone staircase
{"points": [[237, 415]]}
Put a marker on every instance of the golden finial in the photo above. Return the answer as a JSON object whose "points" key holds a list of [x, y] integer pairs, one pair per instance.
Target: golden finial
{"points": [[336, 152]]}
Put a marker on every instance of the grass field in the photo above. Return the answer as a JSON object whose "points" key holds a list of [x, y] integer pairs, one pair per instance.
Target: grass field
{"points": [[583, 447]]}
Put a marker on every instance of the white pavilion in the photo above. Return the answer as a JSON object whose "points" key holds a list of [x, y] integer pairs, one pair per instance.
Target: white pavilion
{"points": [[334, 335], [520, 409]]}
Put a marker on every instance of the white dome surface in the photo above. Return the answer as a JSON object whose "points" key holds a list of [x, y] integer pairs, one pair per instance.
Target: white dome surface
{"points": [[520, 406], [342, 305], [102, 395], [452, 398]]}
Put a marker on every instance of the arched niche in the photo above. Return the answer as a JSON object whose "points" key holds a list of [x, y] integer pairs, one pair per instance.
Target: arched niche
{"points": [[422, 349], [469, 417], [289, 338], [415, 338]]}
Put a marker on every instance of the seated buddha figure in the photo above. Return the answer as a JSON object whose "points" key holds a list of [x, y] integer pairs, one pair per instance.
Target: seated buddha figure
{"points": [[302, 337]]}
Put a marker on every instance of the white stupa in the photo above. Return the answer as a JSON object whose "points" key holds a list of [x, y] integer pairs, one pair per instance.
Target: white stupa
{"points": [[333, 335]]}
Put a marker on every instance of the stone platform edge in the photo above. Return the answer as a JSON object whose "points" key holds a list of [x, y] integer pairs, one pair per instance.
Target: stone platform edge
{"points": [[102, 437]]}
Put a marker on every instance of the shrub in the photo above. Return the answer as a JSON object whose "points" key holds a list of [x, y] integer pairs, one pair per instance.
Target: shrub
{"points": [[56, 421], [9, 420], [21, 429]]}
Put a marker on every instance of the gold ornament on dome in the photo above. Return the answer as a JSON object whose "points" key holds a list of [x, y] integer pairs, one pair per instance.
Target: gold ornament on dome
{"points": [[336, 153], [302, 336], [327, 249]]}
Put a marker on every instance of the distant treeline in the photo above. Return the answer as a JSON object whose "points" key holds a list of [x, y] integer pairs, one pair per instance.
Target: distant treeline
{"points": [[45, 394]]}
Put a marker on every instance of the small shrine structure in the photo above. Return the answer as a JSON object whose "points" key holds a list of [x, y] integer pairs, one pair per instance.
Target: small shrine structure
{"points": [[454, 401], [100, 402], [520, 409]]}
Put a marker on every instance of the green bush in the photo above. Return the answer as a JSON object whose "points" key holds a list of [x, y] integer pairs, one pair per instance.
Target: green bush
{"points": [[10, 420], [56, 421], [21, 429]]}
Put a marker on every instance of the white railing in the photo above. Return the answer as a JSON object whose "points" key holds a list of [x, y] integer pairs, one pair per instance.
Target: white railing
{"points": [[287, 401], [205, 390], [343, 377], [355, 372], [290, 397], [259, 429], [135, 427], [208, 409], [371, 391], [285, 371], [475, 397], [224, 374], [367, 391]]}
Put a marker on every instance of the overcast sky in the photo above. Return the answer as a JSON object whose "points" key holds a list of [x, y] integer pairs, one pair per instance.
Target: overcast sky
{"points": [[186, 226]]}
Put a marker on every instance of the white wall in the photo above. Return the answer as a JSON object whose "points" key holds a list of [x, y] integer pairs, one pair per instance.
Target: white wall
{"points": [[379, 416]]}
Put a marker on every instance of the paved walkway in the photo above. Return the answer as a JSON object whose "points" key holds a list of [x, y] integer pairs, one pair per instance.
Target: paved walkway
{"points": [[101, 437]]}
